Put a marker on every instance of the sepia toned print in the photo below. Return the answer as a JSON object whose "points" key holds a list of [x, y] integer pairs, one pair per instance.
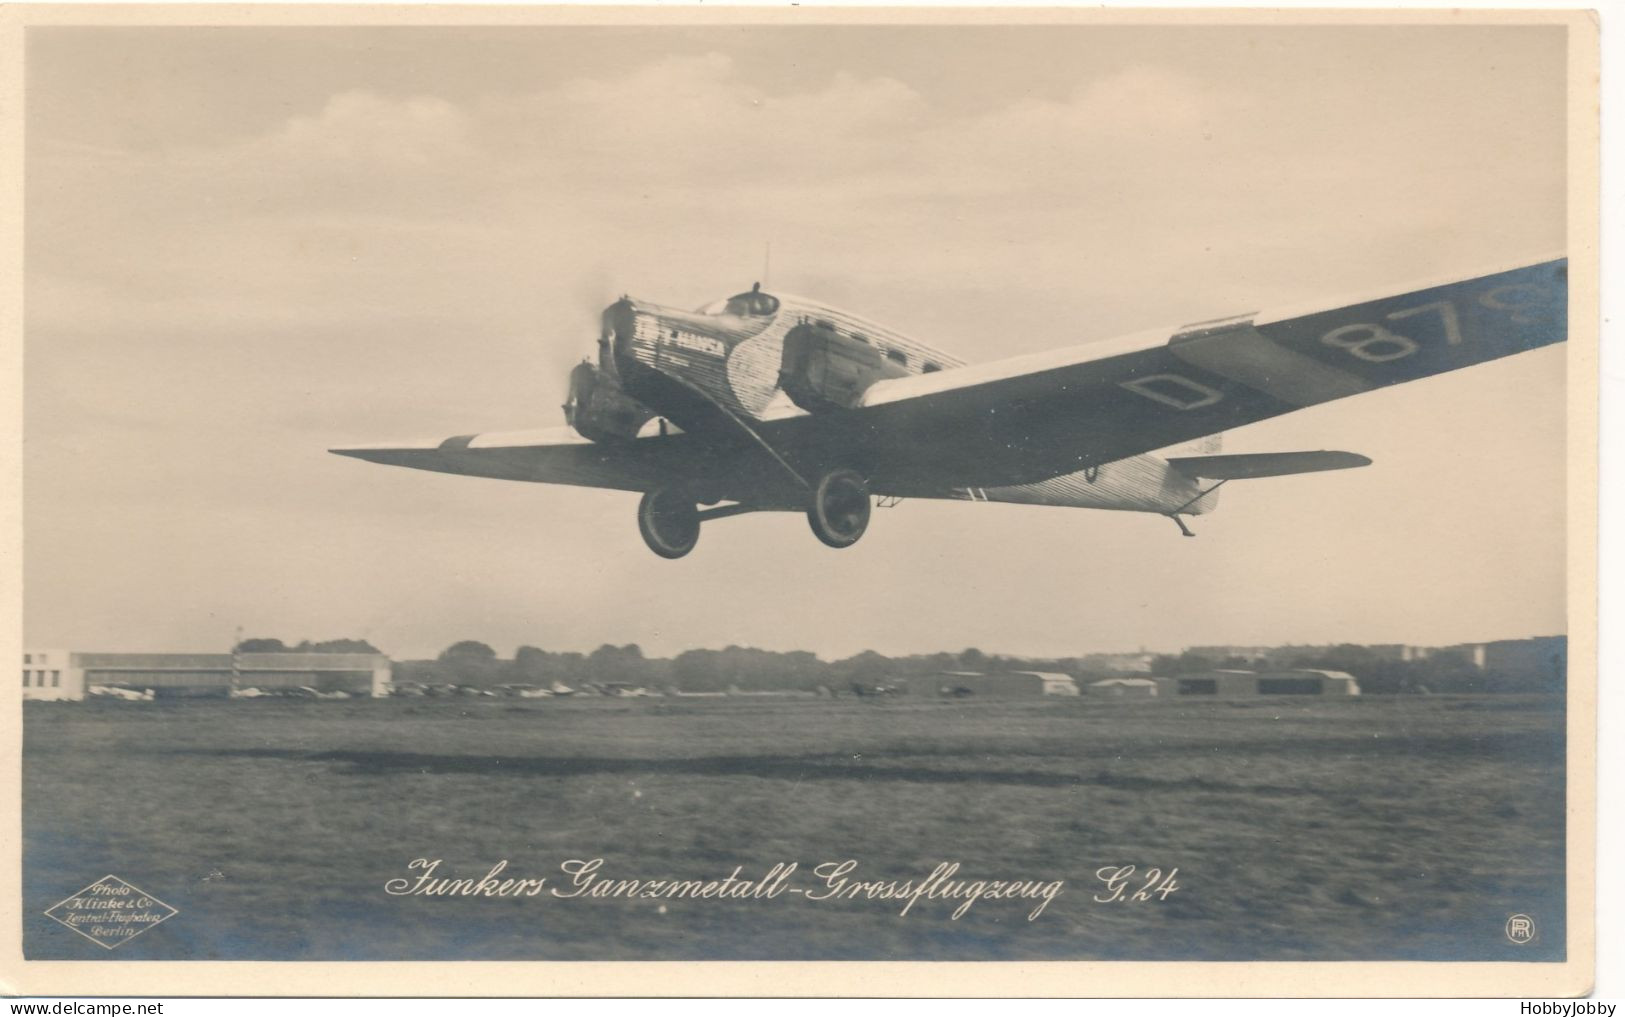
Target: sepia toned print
{"points": [[750, 371]]}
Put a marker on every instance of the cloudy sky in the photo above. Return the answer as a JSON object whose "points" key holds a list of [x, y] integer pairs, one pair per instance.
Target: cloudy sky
{"points": [[245, 246]]}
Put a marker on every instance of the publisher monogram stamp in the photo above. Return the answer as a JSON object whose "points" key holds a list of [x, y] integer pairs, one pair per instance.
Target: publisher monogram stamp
{"points": [[1520, 928], [110, 912]]}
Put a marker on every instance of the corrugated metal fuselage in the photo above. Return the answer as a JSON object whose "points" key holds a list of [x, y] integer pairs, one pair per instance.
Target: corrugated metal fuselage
{"points": [[720, 373]]}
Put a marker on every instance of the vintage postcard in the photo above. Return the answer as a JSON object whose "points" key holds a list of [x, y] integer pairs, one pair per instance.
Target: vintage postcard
{"points": [[800, 501]]}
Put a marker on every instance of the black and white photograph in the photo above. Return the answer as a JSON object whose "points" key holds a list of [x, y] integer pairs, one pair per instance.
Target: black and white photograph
{"points": [[608, 485]]}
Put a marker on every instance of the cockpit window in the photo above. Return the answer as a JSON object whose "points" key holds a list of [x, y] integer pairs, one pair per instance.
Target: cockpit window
{"points": [[754, 304]]}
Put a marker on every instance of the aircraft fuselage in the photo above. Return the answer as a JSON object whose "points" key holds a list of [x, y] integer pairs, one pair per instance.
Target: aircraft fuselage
{"points": [[661, 355], [739, 367]]}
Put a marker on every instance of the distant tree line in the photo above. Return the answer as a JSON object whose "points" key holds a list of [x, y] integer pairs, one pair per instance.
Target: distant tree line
{"points": [[734, 667], [470, 662], [261, 645]]}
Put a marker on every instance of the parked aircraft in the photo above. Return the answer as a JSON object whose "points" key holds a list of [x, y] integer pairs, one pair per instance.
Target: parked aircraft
{"points": [[768, 402]]}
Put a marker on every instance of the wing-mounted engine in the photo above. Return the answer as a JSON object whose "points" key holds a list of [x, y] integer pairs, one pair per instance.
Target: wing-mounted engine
{"points": [[599, 410], [823, 369]]}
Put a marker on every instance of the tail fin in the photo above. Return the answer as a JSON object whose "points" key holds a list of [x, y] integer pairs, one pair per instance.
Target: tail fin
{"points": [[1206, 445], [1195, 451]]}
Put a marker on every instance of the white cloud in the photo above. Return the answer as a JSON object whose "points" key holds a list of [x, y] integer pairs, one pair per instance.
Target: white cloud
{"points": [[384, 263], [360, 129]]}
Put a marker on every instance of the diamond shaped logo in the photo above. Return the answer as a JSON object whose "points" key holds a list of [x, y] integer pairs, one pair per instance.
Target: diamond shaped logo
{"points": [[110, 912]]}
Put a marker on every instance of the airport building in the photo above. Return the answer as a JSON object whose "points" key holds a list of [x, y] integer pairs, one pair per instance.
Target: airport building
{"points": [[60, 674], [1542, 655], [1226, 682], [1126, 688], [52, 674], [1010, 685]]}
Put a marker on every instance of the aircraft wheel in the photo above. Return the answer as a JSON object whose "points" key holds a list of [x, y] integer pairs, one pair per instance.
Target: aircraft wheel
{"points": [[669, 521], [840, 509]]}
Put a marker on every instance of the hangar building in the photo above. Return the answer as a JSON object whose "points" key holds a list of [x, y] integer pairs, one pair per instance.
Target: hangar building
{"points": [[1010, 685], [1299, 682], [1126, 688], [171, 675]]}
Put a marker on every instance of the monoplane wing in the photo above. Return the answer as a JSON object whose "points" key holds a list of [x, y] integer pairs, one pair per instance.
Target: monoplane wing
{"points": [[550, 456], [1028, 418]]}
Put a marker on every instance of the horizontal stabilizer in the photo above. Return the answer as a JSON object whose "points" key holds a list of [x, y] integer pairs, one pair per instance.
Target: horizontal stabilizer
{"points": [[1266, 464]]}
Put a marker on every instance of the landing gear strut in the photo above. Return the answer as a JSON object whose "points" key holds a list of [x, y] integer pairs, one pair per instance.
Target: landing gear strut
{"points": [[669, 520], [840, 508]]}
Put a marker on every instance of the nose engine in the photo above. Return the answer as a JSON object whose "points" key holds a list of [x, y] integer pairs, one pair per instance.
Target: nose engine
{"points": [[616, 338], [649, 356]]}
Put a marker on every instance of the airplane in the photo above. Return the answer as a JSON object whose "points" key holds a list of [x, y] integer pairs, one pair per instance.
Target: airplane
{"points": [[764, 402]]}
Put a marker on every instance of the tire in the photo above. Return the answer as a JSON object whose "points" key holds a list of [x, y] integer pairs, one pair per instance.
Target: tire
{"points": [[840, 511], [669, 521]]}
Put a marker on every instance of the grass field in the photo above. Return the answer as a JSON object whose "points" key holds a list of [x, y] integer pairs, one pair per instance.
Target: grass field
{"points": [[1302, 829]]}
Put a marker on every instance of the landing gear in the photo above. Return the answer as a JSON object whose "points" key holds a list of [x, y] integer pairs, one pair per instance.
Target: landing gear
{"points": [[669, 518], [669, 521], [840, 508]]}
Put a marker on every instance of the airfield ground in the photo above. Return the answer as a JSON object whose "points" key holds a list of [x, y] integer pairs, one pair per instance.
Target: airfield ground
{"points": [[1379, 827]]}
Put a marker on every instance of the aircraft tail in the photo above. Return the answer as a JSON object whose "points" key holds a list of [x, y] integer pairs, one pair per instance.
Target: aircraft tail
{"points": [[1251, 466], [1191, 451], [1210, 472]]}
